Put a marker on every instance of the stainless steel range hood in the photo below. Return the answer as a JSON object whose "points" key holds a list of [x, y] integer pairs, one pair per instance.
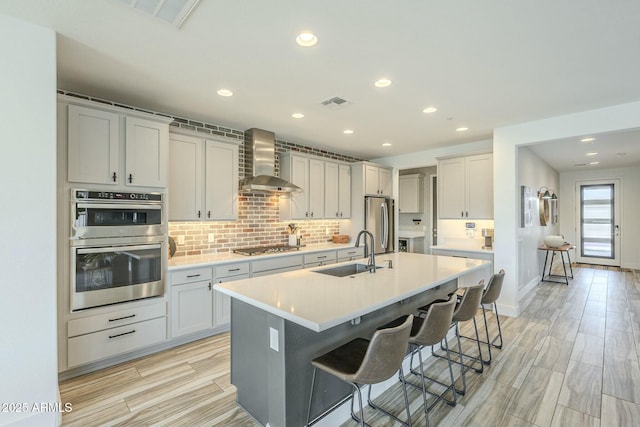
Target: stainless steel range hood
{"points": [[260, 156]]}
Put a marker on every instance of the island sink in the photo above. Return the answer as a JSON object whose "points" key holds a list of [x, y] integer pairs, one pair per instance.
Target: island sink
{"points": [[345, 270]]}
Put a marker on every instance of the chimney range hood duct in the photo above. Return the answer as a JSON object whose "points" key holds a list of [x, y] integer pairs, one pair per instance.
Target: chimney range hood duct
{"points": [[260, 156]]}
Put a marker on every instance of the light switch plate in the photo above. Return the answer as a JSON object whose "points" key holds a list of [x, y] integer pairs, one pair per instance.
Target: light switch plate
{"points": [[181, 240], [273, 339], [211, 238]]}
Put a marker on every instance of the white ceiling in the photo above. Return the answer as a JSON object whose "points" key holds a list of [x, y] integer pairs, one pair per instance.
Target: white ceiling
{"points": [[483, 64]]}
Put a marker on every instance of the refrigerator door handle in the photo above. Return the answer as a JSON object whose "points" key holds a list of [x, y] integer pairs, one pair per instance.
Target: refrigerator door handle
{"points": [[384, 226]]}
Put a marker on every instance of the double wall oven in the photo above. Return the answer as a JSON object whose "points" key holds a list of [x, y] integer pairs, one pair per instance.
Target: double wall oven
{"points": [[117, 247]]}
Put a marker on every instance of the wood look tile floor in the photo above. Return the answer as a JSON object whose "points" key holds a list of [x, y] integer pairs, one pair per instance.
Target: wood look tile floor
{"points": [[570, 359]]}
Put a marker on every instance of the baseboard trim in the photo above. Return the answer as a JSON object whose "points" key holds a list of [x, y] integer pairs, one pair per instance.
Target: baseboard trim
{"points": [[528, 288]]}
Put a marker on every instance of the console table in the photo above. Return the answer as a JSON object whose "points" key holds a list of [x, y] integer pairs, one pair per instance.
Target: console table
{"points": [[562, 250]]}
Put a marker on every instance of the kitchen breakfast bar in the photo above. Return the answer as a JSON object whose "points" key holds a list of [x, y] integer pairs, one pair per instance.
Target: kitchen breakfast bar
{"points": [[279, 323]]}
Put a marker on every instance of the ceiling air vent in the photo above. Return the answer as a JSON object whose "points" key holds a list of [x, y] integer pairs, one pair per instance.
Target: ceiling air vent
{"points": [[172, 11], [336, 102]]}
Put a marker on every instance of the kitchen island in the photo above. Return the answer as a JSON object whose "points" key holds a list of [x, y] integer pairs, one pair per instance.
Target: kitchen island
{"points": [[279, 323]]}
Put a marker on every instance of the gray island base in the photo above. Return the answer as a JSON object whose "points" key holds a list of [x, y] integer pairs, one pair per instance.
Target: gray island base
{"points": [[274, 335]]}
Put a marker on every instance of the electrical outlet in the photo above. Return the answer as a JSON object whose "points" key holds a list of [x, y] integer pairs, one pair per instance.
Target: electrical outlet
{"points": [[212, 238], [181, 240], [326, 231], [273, 339]]}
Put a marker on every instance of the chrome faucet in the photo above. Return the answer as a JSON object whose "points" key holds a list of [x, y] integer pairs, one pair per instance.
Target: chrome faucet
{"points": [[372, 259]]}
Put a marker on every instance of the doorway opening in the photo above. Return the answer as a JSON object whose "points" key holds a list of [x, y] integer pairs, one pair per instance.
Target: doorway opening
{"points": [[598, 222]]}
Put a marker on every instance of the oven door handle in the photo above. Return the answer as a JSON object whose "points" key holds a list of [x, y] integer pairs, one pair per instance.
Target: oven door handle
{"points": [[81, 251], [112, 206]]}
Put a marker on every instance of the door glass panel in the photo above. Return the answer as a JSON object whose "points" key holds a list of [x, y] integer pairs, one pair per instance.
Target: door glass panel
{"points": [[596, 221]]}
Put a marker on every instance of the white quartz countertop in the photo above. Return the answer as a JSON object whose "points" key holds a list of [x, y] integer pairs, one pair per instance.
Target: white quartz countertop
{"points": [[462, 248], [319, 301], [188, 261], [410, 234]]}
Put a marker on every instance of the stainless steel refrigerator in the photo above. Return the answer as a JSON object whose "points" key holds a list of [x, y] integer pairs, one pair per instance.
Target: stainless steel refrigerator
{"points": [[379, 221]]}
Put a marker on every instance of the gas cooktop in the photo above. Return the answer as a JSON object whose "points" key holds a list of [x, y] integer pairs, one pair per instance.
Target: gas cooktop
{"points": [[259, 250]]}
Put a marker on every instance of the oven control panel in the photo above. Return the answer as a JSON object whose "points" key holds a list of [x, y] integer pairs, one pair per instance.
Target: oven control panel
{"points": [[112, 195]]}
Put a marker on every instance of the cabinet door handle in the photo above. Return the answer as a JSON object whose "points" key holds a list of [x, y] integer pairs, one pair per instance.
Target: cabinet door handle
{"points": [[122, 318], [462, 214], [198, 214], [190, 276], [208, 214], [124, 333], [233, 269], [311, 214], [322, 257], [466, 214], [114, 177], [209, 285], [306, 214], [130, 178]]}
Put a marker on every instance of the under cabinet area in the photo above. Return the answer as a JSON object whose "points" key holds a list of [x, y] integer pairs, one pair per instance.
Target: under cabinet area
{"points": [[465, 187], [203, 179], [108, 147], [102, 336]]}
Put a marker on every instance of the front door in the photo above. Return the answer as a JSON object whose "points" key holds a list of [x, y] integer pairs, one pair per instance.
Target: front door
{"points": [[598, 222]]}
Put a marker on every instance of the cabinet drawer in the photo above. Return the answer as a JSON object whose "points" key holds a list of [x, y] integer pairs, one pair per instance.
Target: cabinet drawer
{"points": [[228, 270], [317, 258], [350, 253], [100, 345], [191, 275], [277, 263], [117, 318], [463, 254]]}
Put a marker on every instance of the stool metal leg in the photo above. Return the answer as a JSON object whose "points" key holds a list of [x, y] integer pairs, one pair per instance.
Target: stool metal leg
{"points": [[406, 402], [353, 415]]}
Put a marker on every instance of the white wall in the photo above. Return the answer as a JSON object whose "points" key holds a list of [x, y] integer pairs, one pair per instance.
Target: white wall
{"points": [[629, 208], [429, 157], [28, 361], [535, 173]]}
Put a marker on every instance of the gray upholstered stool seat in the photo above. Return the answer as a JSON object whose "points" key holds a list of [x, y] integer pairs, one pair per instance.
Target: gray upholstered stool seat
{"points": [[361, 362]]}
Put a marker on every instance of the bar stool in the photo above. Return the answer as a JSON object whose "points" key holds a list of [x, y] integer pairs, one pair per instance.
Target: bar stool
{"points": [[429, 331], [360, 362], [466, 309], [489, 297]]}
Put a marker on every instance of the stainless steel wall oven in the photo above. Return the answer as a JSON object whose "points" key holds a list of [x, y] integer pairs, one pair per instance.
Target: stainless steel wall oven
{"points": [[118, 243]]}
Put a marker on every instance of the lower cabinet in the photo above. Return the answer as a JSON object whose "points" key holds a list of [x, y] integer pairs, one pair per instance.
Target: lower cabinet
{"points": [[191, 301], [320, 258], [282, 264], [350, 254], [222, 303], [99, 337]]}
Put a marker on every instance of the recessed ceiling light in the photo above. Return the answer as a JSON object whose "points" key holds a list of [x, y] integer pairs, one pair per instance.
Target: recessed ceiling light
{"points": [[594, 163], [307, 39], [592, 154], [225, 92], [386, 144], [347, 131], [297, 115], [430, 110], [382, 83], [462, 129], [587, 139]]}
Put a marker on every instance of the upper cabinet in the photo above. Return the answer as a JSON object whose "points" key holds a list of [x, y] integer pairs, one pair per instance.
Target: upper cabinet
{"points": [[112, 148], [337, 178], [377, 180], [203, 179], [465, 187], [410, 194], [308, 174]]}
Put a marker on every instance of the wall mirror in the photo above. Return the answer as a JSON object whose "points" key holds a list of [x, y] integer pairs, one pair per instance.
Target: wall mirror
{"points": [[545, 211]]}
